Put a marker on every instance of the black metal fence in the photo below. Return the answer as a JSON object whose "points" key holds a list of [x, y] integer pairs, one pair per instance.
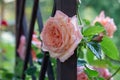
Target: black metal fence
{"points": [[66, 70]]}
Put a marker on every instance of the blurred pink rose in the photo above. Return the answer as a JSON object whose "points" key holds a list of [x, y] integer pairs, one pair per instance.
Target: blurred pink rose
{"points": [[36, 41], [22, 47], [107, 22], [81, 74], [61, 35], [103, 72]]}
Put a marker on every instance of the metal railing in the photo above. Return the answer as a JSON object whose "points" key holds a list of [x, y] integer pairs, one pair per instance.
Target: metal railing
{"points": [[66, 70]]}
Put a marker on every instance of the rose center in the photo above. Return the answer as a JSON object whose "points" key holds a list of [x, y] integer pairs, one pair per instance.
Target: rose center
{"points": [[55, 37]]}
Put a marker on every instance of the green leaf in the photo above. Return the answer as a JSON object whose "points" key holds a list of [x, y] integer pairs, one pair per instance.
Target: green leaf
{"points": [[100, 63], [89, 56], [94, 62], [91, 73], [86, 22], [99, 78], [7, 76], [98, 24], [80, 53], [2, 69], [93, 30], [81, 62], [40, 55], [95, 48], [31, 70], [109, 48]]}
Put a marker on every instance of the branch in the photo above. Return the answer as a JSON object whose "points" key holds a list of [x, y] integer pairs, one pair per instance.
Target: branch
{"points": [[114, 73]]}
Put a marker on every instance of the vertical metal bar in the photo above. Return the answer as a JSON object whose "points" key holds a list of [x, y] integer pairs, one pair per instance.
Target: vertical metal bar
{"points": [[50, 71], [17, 10], [46, 55], [68, 69], [31, 64], [54, 8], [19, 14], [24, 28], [20, 19], [39, 20], [16, 28], [28, 48], [44, 66]]}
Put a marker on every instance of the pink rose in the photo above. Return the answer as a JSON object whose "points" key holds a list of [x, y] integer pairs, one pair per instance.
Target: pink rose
{"points": [[81, 74], [103, 72], [107, 23], [22, 47], [36, 42], [61, 35]]}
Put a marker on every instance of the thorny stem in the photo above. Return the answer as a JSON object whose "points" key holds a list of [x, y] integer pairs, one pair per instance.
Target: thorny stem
{"points": [[114, 73]]}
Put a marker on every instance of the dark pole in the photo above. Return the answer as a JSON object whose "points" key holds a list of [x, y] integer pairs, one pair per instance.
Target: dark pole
{"points": [[68, 69], [29, 38]]}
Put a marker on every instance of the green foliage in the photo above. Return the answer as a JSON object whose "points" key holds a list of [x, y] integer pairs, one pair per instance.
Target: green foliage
{"points": [[99, 78], [92, 61], [93, 30], [31, 70], [6, 61], [90, 72], [109, 48], [95, 48], [18, 67], [86, 22], [7, 76], [89, 56], [81, 62]]}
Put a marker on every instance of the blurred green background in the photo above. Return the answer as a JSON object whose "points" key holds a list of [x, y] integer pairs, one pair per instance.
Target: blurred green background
{"points": [[89, 9]]}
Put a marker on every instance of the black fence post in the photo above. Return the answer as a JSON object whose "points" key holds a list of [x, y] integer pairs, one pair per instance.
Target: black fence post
{"points": [[68, 69], [18, 29], [29, 38]]}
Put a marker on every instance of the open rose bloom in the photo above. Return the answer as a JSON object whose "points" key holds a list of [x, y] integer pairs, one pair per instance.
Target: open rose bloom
{"points": [[60, 36], [107, 23], [103, 72]]}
